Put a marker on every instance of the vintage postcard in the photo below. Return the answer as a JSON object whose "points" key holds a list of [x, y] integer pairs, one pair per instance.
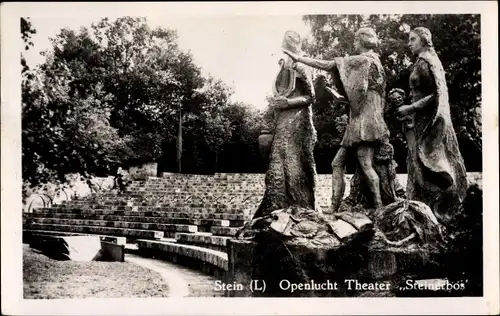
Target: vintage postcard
{"points": [[235, 158]]}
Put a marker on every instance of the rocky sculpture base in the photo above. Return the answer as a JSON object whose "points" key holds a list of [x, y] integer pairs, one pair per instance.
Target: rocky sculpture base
{"points": [[322, 252], [299, 246]]}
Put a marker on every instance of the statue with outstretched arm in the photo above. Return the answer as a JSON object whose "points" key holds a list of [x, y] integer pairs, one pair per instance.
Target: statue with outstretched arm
{"points": [[362, 78]]}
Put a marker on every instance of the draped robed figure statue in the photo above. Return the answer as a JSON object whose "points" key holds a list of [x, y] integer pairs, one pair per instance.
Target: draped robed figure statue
{"points": [[291, 172], [436, 171]]}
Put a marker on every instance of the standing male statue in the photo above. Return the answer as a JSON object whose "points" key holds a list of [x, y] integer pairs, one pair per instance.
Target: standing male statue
{"points": [[362, 78]]}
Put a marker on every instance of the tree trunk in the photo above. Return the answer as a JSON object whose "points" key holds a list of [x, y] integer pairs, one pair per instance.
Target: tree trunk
{"points": [[216, 159], [179, 143]]}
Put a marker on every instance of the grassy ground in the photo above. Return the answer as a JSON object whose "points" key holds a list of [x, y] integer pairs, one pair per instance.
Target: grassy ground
{"points": [[45, 278]]}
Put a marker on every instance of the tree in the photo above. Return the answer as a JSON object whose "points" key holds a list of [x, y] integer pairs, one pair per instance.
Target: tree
{"points": [[27, 30], [63, 133], [104, 97], [241, 151], [120, 93], [206, 127]]}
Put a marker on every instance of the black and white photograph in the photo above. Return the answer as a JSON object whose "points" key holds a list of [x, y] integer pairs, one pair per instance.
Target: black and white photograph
{"points": [[238, 158]]}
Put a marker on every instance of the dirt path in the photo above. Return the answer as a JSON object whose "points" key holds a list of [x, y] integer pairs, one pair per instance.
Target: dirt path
{"points": [[181, 281]]}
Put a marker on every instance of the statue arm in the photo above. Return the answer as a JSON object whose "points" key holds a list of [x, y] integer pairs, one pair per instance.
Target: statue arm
{"points": [[297, 102], [422, 103], [427, 78], [406, 110], [326, 65], [309, 97], [428, 83]]}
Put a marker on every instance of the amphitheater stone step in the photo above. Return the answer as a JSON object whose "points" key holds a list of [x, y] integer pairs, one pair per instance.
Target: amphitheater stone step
{"points": [[224, 231], [213, 257], [141, 219], [247, 194], [145, 211], [90, 213], [234, 208], [152, 206], [202, 184], [202, 239], [241, 201], [29, 234], [116, 224], [98, 230]]}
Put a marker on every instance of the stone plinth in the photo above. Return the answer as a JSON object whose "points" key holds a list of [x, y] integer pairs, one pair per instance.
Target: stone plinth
{"points": [[240, 266], [271, 260], [274, 259], [112, 252]]}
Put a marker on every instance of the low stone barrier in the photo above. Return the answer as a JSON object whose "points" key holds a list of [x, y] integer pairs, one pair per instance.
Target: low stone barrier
{"points": [[208, 260], [123, 232]]}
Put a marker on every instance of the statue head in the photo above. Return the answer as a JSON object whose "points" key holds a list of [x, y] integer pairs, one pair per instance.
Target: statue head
{"points": [[291, 42], [420, 40], [284, 84], [396, 97], [365, 38]]}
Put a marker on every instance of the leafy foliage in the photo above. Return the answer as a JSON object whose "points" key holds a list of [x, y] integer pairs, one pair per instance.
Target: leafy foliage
{"points": [[112, 95], [27, 30]]}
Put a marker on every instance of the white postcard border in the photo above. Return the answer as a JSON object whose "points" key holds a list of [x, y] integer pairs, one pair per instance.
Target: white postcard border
{"points": [[12, 302]]}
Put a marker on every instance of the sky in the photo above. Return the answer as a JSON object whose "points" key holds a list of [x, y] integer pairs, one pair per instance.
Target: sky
{"points": [[243, 51]]}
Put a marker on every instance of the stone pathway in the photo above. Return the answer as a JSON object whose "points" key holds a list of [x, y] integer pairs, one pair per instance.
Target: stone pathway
{"points": [[182, 281]]}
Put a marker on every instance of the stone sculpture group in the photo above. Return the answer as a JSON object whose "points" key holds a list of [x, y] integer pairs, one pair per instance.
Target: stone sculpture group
{"points": [[377, 210]]}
